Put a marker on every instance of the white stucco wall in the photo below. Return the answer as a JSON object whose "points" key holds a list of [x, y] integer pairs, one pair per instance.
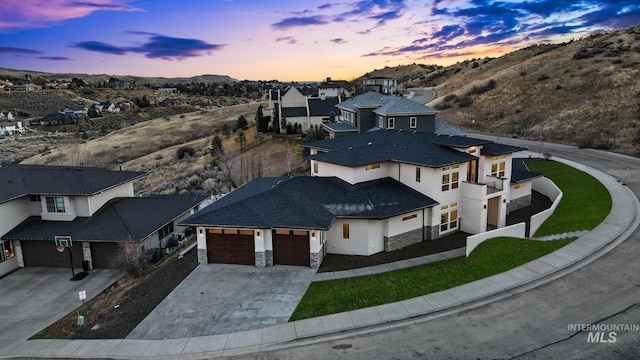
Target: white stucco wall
{"points": [[361, 174], [68, 215], [365, 237], [13, 213], [343, 172], [97, 201], [396, 226], [519, 193]]}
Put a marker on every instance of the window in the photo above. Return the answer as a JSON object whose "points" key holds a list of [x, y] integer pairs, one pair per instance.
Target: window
{"points": [[6, 251], [409, 217], [391, 123], [165, 231], [413, 122], [417, 174], [498, 165], [372, 166], [519, 186], [55, 204], [315, 166], [380, 121], [246, 232], [34, 198], [345, 230], [449, 217], [450, 177]]}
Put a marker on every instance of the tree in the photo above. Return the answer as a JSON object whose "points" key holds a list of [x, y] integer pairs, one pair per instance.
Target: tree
{"points": [[276, 121], [241, 138], [332, 117], [242, 123], [216, 148]]}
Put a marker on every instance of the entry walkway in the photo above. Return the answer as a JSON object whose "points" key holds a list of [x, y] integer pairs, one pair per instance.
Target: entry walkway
{"points": [[621, 221]]}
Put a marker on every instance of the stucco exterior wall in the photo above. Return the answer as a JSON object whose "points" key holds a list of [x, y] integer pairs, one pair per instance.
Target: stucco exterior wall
{"points": [[365, 237], [97, 201], [69, 208], [13, 213]]}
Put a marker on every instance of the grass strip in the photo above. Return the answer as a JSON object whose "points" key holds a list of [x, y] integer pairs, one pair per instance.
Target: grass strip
{"points": [[491, 257], [585, 203]]}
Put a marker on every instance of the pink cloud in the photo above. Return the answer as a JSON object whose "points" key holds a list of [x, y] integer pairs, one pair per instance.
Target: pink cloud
{"points": [[37, 13]]}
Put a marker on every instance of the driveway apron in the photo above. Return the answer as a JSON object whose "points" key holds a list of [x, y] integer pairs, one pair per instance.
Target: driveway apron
{"points": [[220, 299]]}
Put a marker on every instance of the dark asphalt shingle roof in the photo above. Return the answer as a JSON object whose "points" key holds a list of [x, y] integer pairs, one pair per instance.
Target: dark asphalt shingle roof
{"points": [[319, 107], [294, 111], [520, 172], [306, 202], [411, 147], [397, 105], [118, 219], [495, 149], [20, 180]]}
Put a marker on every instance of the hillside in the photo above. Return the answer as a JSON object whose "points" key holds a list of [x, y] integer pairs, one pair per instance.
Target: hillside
{"points": [[585, 92]]}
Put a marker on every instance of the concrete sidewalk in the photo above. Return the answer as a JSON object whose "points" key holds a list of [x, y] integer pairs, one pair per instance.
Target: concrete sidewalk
{"points": [[620, 222]]}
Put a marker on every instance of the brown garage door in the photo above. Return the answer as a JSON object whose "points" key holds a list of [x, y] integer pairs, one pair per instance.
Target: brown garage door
{"points": [[44, 254], [230, 247], [291, 247], [103, 255]]}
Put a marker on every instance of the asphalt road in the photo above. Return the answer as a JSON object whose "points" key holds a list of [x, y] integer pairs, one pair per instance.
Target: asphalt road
{"points": [[530, 325]]}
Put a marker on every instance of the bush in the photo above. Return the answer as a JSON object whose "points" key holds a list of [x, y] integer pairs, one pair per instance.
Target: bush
{"points": [[182, 151], [129, 259]]}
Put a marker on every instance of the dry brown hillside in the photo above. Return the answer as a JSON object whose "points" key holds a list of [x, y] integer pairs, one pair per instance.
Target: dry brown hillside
{"points": [[585, 92]]}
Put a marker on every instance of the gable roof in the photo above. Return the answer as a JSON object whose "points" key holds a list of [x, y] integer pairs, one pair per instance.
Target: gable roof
{"points": [[397, 105], [495, 149], [411, 147], [305, 202], [116, 221], [20, 180], [319, 107]]}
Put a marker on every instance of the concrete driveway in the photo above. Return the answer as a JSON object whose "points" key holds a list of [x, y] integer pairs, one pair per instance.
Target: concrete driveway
{"points": [[220, 298], [36, 297]]}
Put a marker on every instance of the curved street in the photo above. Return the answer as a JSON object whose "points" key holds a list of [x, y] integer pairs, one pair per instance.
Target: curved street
{"points": [[539, 323]]}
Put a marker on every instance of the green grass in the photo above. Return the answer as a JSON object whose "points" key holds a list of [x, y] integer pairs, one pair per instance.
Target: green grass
{"points": [[491, 257], [585, 203]]}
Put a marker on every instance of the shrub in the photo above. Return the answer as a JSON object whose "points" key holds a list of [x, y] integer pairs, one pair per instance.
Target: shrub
{"points": [[129, 259], [543, 77], [182, 151]]}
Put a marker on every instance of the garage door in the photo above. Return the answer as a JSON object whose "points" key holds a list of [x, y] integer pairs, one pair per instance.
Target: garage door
{"points": [[291, 247], [230, 247], [44, 254], [103, 254]]}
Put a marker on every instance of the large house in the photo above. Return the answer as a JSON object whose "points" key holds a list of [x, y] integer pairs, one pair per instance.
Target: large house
{"points": [[301, 108], [374, 111], [370, 192], [95, 207], [381, 84]]}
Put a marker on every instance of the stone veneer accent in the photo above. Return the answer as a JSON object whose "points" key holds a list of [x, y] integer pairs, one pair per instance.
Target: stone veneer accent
{"points": [[202, 256], [316, 258], [402, 240], [432, 232], [519, 203], [269, 257], [261, 259]]}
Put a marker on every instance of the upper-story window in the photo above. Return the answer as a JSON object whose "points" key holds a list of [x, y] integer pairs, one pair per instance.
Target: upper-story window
{"points": [[413, 122], [315, 166], [381, 121], [418, 174], [55, 204], [498, 166], [34, 198], [450, 177], [391, 123], [6, 250]]}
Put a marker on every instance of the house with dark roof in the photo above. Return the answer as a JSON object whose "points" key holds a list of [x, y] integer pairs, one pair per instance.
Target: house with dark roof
{"points": [[371, 192], [374, 111], [298, 108], [95, 207], [381, 84], [335, 88]]}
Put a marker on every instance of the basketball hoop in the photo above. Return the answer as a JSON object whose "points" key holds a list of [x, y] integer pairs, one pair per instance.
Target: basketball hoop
{"points": [[60, 248]]}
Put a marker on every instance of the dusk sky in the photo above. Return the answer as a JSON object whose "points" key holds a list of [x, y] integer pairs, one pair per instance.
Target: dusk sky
{"points": [[285, 40]]}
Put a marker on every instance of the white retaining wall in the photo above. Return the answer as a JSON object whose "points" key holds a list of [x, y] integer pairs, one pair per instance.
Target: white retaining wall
{"points": [[547, 188], [517, 230]]}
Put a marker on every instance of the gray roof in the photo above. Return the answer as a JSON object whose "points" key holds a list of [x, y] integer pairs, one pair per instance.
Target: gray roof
{"points": [[399, 105], [340, 127], [306, 202], [443, 128], [319, 107], [20, 180], [369, 99], [411, 147], [294, 111], [520, 172], [116, 221]]}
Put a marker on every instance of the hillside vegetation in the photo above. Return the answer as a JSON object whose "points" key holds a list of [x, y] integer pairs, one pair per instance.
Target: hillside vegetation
{"points": [[584, 92]]}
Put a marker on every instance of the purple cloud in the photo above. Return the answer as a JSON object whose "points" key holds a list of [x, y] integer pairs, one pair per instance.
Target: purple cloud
{"points": [[287, 39], [100, 47], [158, 47], [299, 21], [338, 41], [55, 58], [18, 51]]}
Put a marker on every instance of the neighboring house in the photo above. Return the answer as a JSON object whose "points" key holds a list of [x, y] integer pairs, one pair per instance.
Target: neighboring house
{"points": [[298, 108], [373, 110], [10, 127], [169, 90], [381, 84], [367, 193], [6, 115], [107, 106], [335, 88], [96, 207], [75, 111]]}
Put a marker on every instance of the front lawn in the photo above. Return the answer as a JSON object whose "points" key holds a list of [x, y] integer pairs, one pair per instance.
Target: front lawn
{"points": [[491, 257], [585, 203]]}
